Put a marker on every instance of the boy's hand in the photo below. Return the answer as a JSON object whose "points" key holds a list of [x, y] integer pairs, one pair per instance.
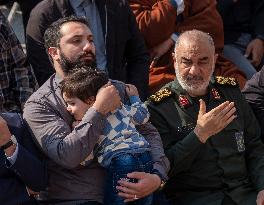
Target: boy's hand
{"points": [[131, 90]]}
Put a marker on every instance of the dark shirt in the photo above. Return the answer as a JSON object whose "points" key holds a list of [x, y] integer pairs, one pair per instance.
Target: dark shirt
{"points": [[244, 16], [254, 94]]}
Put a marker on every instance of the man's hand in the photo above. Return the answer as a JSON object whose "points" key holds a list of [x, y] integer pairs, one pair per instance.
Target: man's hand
{"points": [[4, 132], [31, 192], [256, 49], [160, 50], [107, 99], [260, 198], [131, 90], [147, 184], [216, 120], [5, 136]]}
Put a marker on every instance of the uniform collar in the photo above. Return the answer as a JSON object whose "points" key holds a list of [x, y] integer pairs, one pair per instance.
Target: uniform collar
{"points": [[185, 100]]}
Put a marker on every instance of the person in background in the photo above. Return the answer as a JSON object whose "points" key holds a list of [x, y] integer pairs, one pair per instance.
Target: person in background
{"points": [[120, 48], [18, 81], [254, 94], [22, 174], [162, 21], [244, 33]]}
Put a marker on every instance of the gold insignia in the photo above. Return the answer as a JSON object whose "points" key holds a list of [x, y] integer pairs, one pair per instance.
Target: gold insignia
{"points": [[226, 80], [160, 95]]}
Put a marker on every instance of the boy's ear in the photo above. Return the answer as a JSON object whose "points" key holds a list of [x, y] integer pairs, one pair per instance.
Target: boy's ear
{"points": [[54, 53]]}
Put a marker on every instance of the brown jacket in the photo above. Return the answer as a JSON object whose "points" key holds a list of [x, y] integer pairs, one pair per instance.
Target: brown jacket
{"points": [[157, 20]]}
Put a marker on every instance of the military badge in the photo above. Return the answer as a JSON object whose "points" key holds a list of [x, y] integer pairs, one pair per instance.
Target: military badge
{"points": [[215, 94], [226, 80], [239, 136], [160, 95], [184, 102]]}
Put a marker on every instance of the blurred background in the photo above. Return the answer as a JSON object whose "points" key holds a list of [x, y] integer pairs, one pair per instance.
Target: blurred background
{"points": [[12, 11]]}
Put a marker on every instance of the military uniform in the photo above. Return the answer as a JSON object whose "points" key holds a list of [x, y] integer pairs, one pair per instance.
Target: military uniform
{"points": [[229, 167]]}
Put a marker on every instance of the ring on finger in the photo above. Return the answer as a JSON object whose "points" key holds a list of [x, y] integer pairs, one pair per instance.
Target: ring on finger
{"points": [[135, 197], [155, 58]]}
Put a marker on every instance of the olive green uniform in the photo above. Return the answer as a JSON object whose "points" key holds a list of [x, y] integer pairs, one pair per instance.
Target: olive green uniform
{"points": [[230, 165]]}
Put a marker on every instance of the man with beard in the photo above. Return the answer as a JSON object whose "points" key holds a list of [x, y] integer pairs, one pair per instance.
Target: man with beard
{"points": [[120, 48], [69, 41], [209, 132]]}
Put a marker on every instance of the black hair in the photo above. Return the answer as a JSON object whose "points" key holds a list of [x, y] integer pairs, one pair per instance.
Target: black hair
{"points": [[83, 82]]}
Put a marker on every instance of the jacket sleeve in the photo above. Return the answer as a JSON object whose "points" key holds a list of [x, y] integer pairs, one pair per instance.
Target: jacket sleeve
{"points": [[66, 147], [156, 19], [12, 190], [34, 174], [138, 110], [254, 94], [181, 150], [254, 146], [137, 58], [161, 162]]}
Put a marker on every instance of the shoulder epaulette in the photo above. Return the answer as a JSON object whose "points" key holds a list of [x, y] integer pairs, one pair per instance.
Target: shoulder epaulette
{"points": [[161, 95], [226, 80]]}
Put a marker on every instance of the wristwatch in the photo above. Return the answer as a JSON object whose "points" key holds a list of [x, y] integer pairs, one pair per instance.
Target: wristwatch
{"points": [[163, 180], [11, 141]]}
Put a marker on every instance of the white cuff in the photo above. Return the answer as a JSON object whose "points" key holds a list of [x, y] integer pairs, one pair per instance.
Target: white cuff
{"points": [[174, 37], [12, 159], [180, 6]]}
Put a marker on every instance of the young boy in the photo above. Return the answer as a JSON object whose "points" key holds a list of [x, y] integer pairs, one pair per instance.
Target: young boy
{"points": [[120, 149]]}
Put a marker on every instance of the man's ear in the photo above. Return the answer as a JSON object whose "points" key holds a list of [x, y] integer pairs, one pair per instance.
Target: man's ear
{"points": [[173, 56], [215, 57], [54, 53]]}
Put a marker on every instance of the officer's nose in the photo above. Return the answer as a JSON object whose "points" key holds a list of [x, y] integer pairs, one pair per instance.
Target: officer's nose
{"points": [[194, 70]]}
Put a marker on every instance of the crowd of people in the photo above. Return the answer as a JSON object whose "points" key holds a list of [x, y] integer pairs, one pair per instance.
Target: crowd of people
{"points": [[144, 102]]}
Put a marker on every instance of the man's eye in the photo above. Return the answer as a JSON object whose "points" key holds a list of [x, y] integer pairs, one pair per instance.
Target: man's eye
{"points": [[202, 62], [187, 63], [76, 40]]}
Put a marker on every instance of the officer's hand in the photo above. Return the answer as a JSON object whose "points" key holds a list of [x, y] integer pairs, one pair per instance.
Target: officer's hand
{"points": [[216, 120], [107, 99], [255, 49], [260, 198]]}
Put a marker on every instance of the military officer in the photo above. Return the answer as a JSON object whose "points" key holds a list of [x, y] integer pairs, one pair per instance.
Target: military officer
{"points": [[209, 132]]}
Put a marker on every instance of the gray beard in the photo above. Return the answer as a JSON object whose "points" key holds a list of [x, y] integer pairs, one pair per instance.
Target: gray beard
{"points": [[192, 89]]}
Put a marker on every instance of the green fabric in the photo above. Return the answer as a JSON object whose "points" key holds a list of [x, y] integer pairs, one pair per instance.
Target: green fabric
{"points": [[206, 173]]}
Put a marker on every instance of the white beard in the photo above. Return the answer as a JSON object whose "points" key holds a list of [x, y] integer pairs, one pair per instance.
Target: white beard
{"points": [[195, 89]]}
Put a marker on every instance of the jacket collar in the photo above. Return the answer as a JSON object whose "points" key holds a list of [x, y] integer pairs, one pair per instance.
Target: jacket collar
{"points": [[77, 3], [185, 100]]}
